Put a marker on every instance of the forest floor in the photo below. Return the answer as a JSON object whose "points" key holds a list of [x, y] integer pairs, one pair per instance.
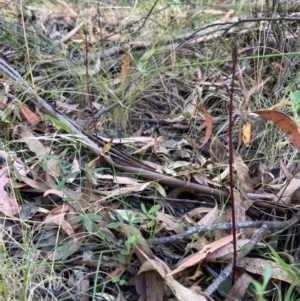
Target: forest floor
{"points": [[149, 150]]}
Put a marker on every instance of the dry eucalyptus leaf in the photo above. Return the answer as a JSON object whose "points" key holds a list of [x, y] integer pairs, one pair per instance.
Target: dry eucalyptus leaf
{"points": [[39, 149], [258, 265], [244, 182], [218, 151], [286, 124], [286, 193]]}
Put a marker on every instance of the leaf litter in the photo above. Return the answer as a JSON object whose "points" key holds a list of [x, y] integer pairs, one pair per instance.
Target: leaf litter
{"points": [[111, 149]]}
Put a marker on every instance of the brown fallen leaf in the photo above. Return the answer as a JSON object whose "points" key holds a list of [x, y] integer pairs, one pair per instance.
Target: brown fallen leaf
{"points": [[258, 265], [171, 223], [149, 283], [286, 192], [239, 288], [239, 207], [59, 217], [201, 255], [157, 269], [288, 174], [244, 181], [38, 148], [182, 293], [208, 121], [33, 118], [286, 124], [155, 273], [210, 218], [8, 203], [247, 133]]}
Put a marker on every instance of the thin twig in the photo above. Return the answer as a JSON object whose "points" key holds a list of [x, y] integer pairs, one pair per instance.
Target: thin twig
{"points": [[147, 16], [226, 226]]}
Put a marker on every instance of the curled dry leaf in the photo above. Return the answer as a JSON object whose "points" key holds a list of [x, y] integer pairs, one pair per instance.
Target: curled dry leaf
{"points": [[240, 287], [201, 255], [8, 203], [247, 133], [38, 148], [244, 181], [286, 124], [124, 70], [59, 217], [288, 174], [239, 207], [182, 293], [286, 192], [210, 217], [149, 282], [171, 222], [208, 120], [31, 117]]}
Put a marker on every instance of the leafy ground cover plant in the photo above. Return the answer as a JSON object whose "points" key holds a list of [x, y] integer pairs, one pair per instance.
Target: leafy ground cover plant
{"points": [[115, 150]]}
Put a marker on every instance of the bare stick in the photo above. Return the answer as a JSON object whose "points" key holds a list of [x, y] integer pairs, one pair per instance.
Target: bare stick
{"points": [[226, 226]]}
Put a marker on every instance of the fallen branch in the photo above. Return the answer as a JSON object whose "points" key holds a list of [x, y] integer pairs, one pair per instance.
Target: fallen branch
{"points": [[226, 226]]}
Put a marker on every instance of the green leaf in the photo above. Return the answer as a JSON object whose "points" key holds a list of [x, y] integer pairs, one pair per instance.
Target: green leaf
{"points": [[94, 217], [178, 164], [297, 96], [114, 225], [143, 207], [120, 218], [267, 272], [131, 239], [76, 219], [17, 174], [152, 217], [159, 188], [88, 225], [125, 252], [58, 123], [154, 208], [139, 239], [122, 282], [61, 184]]}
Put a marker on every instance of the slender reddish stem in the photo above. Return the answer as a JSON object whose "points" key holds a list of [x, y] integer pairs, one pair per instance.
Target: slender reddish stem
{"points": [[234, 64]]}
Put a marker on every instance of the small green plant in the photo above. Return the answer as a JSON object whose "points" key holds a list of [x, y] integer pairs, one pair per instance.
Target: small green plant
{"points": [[288, 267], [87, 220], [151, 216], [295, 104], [290, 295], [260, 288], [59, 123], [292, 272], [119, 280], [152, 210], [131, 239]]}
